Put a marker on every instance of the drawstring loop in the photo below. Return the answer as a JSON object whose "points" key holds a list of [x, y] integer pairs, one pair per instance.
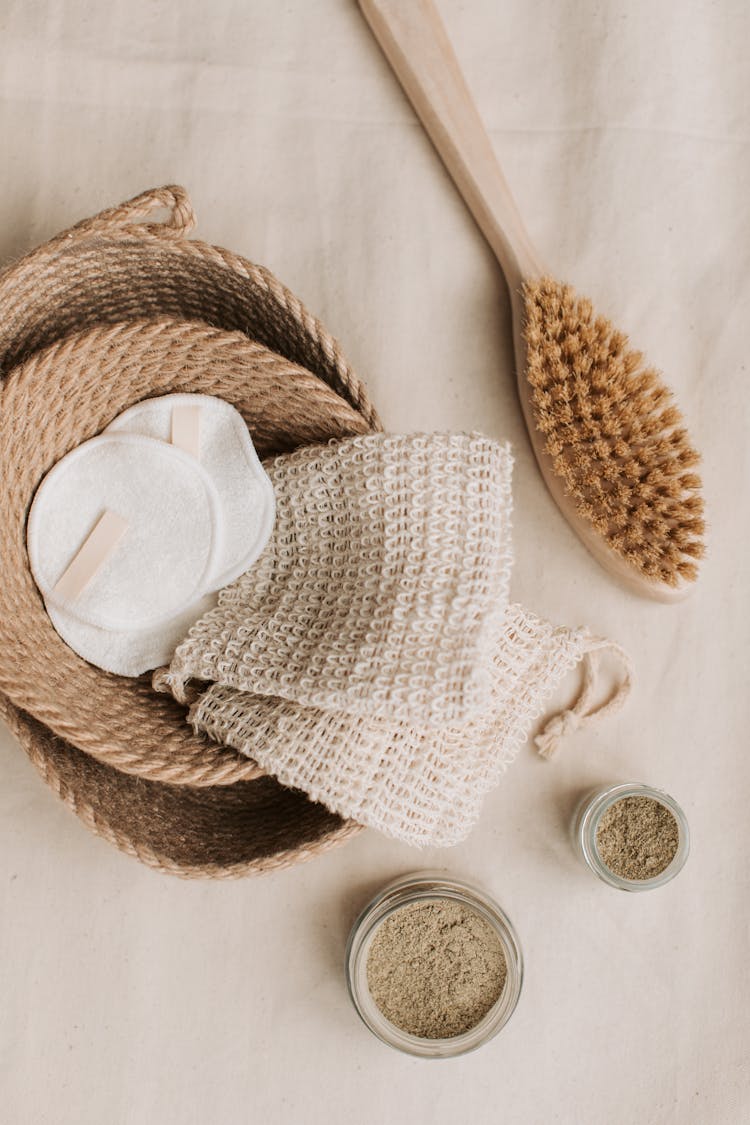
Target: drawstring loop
{"points": [[566, 722]]}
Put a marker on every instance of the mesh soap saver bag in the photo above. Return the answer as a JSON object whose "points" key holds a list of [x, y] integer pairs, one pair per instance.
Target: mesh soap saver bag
{"points": [[421, 786], [371, 658]]}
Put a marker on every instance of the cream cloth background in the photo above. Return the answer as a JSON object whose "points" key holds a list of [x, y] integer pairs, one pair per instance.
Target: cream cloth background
{"points": [[624, 125]]}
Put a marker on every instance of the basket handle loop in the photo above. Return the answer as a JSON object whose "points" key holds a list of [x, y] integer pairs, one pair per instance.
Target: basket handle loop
{"points": [[178, 223]]}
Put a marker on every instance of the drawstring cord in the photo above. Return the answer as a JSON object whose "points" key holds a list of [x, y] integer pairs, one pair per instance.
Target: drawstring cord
{"points": [[581, 713]]}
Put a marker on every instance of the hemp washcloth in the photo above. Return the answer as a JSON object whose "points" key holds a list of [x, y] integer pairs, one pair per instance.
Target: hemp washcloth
{"points": [[382, 590], [422, 787]]}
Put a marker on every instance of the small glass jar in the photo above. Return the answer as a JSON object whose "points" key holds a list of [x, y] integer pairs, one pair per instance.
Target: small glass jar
{"points": [[586, 823], [423, 887]]}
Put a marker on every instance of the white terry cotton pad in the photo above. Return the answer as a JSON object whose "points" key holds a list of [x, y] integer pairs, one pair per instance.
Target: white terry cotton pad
{"points": [[128, 653], [147, 476], [164, 561], [226, 452]]}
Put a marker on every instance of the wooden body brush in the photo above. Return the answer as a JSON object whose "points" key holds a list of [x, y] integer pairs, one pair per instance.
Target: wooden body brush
{"points": [[608, 438]]}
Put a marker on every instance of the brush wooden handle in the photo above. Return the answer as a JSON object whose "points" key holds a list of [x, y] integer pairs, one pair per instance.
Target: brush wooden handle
{"points": [[416, 45], [415, 42]]}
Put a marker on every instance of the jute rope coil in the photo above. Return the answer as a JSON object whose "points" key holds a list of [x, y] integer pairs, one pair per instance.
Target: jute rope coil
{"points": [[110, 268], [105, 314]]}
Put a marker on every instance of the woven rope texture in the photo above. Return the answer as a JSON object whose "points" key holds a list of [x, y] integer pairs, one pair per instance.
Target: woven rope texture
{"points": [[106, 314]]}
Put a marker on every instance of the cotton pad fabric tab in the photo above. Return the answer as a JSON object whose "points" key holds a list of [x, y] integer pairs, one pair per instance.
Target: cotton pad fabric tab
{"points": [[382, 588]]}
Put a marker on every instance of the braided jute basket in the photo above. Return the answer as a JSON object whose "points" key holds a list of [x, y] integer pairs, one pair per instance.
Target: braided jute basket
{"points": [[108, 313]]}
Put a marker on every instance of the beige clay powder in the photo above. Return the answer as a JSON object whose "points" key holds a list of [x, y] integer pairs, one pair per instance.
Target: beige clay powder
{"points": [[435, 968], [637, 838]]}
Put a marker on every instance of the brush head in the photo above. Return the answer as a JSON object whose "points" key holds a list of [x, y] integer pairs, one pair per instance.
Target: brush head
{"points": [[614, 435]]}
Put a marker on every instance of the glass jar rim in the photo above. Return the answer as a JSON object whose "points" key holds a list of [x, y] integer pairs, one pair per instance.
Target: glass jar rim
{"points": [[589, 817], [424, 886]]}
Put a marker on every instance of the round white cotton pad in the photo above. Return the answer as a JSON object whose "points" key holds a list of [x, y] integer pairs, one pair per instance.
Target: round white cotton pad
{"points": [[128, 653], [228, 455], [164, 561]]}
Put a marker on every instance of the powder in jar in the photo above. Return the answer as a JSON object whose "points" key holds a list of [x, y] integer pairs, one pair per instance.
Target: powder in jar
{"points": [[435, 968], [637, 838]]}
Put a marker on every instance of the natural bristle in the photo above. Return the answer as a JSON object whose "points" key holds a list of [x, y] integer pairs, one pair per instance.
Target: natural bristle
{"points": [[614, 434]]}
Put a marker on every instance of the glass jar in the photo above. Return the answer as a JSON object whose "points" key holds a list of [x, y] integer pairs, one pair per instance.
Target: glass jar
{"points": [[586, 823], [423, 887]]}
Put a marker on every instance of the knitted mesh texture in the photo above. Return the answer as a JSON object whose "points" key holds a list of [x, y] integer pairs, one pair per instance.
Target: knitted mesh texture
{"points": [[420, 786], [382, 590]]}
